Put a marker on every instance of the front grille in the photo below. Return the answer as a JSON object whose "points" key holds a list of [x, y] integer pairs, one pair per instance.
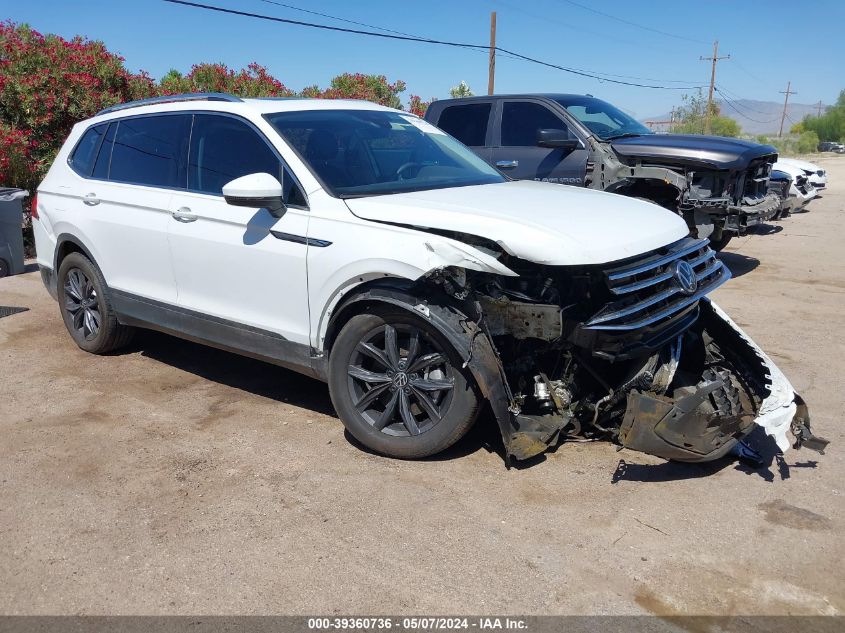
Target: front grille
{"points": [[648, 291]]}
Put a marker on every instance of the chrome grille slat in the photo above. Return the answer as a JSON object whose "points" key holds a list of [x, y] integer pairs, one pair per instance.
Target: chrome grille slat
{"points": [[685, 246], [618, 290], [658, 296]]}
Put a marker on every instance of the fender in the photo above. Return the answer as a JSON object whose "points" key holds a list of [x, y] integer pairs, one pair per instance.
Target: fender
{"points": [[65, 238], [523, 436]]}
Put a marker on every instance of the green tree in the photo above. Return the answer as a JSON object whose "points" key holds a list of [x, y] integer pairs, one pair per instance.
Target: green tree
{"points": [[831, 125], [692, 117], [252, 81], [373, 88], [461, 90]]}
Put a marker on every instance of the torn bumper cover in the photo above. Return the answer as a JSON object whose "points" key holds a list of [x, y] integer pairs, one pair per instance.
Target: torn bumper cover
{"points": [[678, 428]]}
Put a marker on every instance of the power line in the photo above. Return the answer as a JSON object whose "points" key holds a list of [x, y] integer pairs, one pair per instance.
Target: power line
{"points": [[628, 22], [740, 113], [725, 93], [423, 40], [347, 21]]}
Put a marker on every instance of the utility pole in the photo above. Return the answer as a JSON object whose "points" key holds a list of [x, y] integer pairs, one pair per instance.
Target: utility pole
{"points": [[785, 101], [819, 108], [714, 59], [491, 72]]}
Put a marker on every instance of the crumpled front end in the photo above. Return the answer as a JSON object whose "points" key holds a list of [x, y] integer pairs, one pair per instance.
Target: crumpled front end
{"points": [[633, 352], [736, 200]]}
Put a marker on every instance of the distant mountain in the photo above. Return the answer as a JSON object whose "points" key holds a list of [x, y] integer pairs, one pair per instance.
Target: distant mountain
{"points": [[758, 117]]}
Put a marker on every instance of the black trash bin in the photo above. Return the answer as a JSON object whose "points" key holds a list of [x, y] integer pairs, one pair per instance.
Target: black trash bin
{"points": [[11, 231]]}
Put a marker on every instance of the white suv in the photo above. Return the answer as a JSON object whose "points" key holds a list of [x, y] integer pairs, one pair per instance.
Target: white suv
{"points": [[362, 246]]}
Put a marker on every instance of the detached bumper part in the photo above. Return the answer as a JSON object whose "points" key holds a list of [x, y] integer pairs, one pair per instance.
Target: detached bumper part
{"points": [[676, 430]]}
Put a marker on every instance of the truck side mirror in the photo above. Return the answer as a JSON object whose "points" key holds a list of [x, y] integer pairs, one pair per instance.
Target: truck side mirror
{"points": [[559, 139]]}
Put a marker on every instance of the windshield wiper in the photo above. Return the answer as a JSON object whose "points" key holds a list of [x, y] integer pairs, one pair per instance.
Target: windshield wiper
{"points": [[625, 135]]}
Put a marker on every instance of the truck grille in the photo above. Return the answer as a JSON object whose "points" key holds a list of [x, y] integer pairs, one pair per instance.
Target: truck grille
{"points": [[659, 287]]}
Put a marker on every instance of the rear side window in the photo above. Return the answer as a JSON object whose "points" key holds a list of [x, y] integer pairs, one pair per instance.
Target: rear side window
{"points": [[522, 119], [149, 150], [224, 148], [83, 157], [101, 165], [467, 123]]}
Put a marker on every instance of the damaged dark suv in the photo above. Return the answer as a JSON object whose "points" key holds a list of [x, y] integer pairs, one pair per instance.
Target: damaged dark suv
{"points": [[718, 185]]}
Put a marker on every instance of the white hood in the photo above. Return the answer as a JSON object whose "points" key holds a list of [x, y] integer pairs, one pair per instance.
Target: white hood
{"points": [[541, 222], [801, 164]]}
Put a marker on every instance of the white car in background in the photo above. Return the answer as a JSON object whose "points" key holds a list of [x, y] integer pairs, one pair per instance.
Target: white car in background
{"points": [[815, 174], [802, 190]]}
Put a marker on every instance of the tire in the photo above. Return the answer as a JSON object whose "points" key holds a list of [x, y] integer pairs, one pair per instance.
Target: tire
{"points": [[4, 268], [384, 393], [722, 242], [86, 308]]}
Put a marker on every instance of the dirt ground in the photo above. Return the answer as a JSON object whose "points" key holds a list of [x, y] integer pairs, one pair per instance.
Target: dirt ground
{"points": [[176, 479]]}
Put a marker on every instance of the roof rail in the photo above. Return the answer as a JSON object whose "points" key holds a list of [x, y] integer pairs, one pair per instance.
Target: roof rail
{"points": [[191, 96]]}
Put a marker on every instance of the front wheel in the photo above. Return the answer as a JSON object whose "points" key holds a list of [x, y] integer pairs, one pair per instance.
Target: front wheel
{"points": [[398, 386], [719, 244]]}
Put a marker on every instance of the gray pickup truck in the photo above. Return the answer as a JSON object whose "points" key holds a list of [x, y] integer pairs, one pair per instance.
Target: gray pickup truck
{"points": [[718, 185]]}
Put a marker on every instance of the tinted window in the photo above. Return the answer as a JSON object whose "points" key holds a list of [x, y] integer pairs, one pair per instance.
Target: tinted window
{"points": [[148, 150], [522, 119], [85, 153], [101, 166], [467, 123], [223, 148]]}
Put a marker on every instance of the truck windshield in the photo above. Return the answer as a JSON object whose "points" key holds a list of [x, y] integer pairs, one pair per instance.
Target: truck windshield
{"points": [[357, 153], [601, 118]]}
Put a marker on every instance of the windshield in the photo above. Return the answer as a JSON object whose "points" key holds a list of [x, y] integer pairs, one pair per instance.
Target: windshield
{"points": [[357, 153], [601, 118]]}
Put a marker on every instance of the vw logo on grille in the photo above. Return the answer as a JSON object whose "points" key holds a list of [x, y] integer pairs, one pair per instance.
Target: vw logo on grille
{"points": [[685, 276], [400, 380]]}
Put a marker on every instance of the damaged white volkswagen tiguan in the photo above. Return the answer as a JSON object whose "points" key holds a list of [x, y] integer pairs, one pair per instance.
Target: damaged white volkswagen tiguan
{"points": [[364, 247]]}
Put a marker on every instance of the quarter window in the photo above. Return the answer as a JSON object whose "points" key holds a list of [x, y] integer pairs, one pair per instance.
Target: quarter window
{"points": [[223, 148], [82, 160], [148, 151], [101, 166], [467, 123], [522, 119]]}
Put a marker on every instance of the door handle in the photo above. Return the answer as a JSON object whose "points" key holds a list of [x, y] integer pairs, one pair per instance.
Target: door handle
{"points": [[184, 215], [507, 164], [91, 199]]}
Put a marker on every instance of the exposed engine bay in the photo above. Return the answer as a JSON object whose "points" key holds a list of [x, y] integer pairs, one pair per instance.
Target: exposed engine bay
{"points": [[631, 352]]}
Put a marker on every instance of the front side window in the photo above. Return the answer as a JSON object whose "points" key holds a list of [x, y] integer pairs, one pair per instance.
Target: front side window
{"points": [[522, 119], [358, 153], [83, 157], [602, 119], [224, 148], [467, 123], [149, 150]]}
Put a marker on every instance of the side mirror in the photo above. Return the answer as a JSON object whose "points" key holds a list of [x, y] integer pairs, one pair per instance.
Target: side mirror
{"points": [[558, 139], [256, 191]]}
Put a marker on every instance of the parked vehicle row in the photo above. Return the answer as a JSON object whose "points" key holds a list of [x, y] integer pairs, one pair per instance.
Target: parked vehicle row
{"points": [[718, 185], [363, 246], [829, 146]]}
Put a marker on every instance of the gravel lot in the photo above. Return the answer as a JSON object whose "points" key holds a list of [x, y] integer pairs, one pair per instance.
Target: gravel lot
{"points": [[176, 479]]}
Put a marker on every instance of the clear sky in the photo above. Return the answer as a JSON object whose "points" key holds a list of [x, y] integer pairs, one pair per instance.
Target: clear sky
{"points": [[770, 42]]}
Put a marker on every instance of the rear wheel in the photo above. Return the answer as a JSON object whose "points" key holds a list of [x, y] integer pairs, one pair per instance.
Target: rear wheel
{"points": [[86, 308], [398, 386], [4, 268]]}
